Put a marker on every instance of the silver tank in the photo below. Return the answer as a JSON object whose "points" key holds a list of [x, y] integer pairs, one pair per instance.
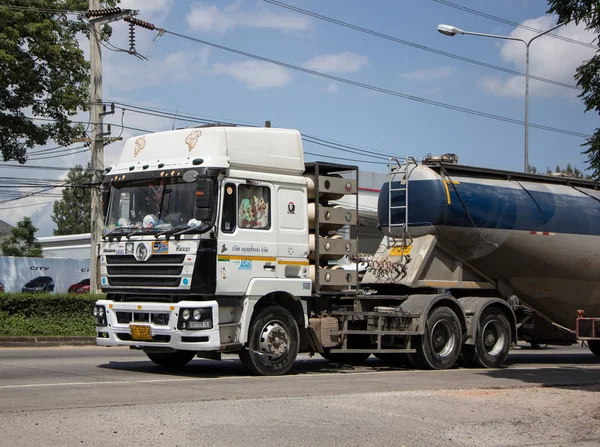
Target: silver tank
{"points": [[538, 234]]}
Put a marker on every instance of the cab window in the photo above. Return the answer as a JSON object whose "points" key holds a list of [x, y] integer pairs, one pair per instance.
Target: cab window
{"points": [[254, 207]]}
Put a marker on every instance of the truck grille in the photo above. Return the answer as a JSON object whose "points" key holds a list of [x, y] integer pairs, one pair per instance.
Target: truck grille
{"points": [[160, 270]]}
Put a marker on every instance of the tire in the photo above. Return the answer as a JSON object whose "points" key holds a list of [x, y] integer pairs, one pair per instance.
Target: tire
{"points": [[273, 342], [492, 341], [175, 359], [440, 346], [594, 346]]}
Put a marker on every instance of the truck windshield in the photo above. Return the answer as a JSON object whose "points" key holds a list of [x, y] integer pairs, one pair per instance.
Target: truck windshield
{"points": [[152, 205]]}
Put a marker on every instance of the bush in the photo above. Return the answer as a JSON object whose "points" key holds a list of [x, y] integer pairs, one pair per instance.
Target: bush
{"points": [[42, 314]]}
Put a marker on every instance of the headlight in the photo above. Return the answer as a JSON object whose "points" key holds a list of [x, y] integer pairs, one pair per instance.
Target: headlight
{"points": [[100, 316], [195, 318]]}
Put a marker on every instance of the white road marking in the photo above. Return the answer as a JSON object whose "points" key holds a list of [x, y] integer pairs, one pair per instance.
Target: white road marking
{"points": [[286, 377]]}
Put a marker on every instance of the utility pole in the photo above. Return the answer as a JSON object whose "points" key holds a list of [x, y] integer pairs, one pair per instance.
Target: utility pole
{"points": [[97, 158], [98, 17]]}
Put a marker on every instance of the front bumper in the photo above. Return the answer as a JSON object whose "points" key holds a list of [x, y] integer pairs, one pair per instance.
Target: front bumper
{"points": [[161, 318]]}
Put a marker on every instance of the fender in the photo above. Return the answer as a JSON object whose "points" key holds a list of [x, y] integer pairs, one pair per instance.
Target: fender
{"points": [[474, 306], [423, 304], [252, 301]]}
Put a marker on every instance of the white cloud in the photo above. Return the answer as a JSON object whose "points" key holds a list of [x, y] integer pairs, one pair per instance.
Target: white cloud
{"points": [[430, 74], [255, 74], [210, 18], [549, 58], [132, 73], [346, 62], [331, 88]]}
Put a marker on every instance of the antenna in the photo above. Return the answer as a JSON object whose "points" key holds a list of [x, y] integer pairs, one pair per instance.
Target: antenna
{"points": [[175, 119]]}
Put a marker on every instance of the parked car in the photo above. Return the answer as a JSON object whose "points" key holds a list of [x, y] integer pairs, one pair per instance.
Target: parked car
{"points": [[39, 284], [82, 286]]}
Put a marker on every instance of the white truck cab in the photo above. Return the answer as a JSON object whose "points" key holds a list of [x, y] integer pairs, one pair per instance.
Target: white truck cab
{"points": [[201, 225]]}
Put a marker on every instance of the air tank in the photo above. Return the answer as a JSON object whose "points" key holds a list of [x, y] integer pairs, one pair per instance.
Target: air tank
{"points": [[538, 234]]}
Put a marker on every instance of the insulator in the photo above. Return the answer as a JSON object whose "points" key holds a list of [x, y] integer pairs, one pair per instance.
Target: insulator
{"points": [[102, 12], [131, 38], [140, 23]]}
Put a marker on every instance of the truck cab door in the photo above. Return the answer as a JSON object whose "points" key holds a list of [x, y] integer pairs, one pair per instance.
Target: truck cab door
{"points": [[247, 243]]}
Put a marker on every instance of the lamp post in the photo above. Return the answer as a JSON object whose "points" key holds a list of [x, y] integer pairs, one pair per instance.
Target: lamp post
{"points": [[452, 31]]}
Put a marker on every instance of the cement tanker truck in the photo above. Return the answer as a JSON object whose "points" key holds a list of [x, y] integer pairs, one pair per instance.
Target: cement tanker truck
{"points": [[533, 240], [221, 239]]}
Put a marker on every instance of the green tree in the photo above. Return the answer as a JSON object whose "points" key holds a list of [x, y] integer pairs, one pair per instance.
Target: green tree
{"points": [[21, 241], [587, 74], [43, 73], [72, 213]]}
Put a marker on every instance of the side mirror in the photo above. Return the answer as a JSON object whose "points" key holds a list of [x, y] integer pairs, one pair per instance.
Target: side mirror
{"points": [[190, 176]]}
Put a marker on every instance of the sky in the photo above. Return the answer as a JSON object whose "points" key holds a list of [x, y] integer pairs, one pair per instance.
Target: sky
{"points": [[417, 116]]}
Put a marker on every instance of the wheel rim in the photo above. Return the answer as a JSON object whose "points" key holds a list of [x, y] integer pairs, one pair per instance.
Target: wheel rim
{"points": [[443, 339], [493, 338], [274, 340]]}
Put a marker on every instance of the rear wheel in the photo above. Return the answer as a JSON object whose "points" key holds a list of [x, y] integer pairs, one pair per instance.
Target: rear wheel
{"points": [[594, 346], [492, 341], [273, 342], [175, 359], [439, 347]]}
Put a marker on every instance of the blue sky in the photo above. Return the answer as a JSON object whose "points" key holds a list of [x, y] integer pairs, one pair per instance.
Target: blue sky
{"points": [[211, 83]]}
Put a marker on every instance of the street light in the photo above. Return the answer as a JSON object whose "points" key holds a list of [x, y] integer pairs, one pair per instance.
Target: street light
{"points": [[452, 31]]}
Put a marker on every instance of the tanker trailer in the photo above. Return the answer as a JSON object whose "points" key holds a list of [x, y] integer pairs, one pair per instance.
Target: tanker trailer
{"points": [[475, 233]]}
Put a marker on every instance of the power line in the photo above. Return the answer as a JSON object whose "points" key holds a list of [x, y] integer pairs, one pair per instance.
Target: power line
{"points": [[26, 205], [419, 46], [381, 89], [510, 22], [48, 168], [36, 9]]}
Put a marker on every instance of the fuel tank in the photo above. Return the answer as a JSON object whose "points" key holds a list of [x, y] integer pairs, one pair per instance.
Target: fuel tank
{"points": [[538, 234]]}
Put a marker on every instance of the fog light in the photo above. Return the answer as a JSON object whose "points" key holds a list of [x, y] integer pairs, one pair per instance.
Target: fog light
{"points": [[185, 314], [197, 314]]}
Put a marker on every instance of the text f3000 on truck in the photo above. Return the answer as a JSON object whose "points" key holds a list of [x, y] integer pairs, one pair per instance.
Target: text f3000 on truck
{"points": [[220, 239]]}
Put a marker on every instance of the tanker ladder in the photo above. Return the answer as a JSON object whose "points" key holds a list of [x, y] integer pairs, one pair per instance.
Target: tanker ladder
{"points": [[402, 167]]}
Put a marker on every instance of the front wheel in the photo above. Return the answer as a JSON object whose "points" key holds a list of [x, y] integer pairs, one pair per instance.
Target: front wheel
{"points": [[594, 346], [273, 342], [175, 359], [439, 347]]}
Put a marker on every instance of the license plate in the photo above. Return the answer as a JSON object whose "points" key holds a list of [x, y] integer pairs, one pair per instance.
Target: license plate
{"points": [[140, 332], [400, 251]]}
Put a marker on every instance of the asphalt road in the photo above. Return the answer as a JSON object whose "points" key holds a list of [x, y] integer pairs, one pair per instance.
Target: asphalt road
{"points": [[99, 396]]}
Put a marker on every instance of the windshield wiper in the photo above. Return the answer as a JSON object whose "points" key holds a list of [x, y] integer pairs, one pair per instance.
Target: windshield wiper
{"points": [[170, 231], [200, 228], [140, 231], [114, 231]]}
